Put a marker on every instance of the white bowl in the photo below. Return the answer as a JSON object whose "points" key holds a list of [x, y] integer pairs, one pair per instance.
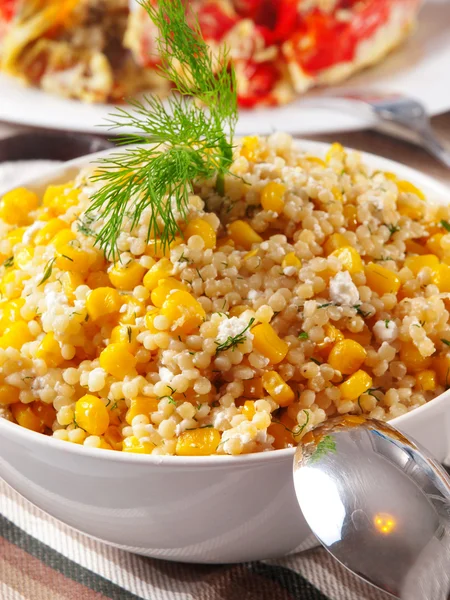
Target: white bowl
{"points": [[195, 509]]}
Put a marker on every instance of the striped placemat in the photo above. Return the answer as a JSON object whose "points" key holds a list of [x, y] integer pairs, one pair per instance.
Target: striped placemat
{"points": [[42, 559]]}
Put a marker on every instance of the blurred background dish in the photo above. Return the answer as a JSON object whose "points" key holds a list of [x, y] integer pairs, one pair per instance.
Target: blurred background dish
{"points": [[77, 50]]}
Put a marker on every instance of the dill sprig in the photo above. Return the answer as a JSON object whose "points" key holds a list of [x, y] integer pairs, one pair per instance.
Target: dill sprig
{"points": [[234, 341], [176, 142], [326, 446]]}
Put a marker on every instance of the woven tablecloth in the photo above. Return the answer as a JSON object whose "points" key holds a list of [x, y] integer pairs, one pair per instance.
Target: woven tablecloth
{"points": [[42, 559]]}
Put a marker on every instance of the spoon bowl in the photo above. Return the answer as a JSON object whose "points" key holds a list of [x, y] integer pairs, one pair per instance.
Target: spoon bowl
{"points": [[379, 504]]}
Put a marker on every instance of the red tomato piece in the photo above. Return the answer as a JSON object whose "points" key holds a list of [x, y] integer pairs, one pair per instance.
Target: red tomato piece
{"points": [[215, 22], [261, 78]]}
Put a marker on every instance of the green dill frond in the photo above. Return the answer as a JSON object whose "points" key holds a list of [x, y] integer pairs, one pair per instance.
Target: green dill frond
{"points": [[176, 142]]}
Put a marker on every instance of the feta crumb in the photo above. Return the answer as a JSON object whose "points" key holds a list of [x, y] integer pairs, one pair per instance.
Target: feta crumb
{"points": [[385, 331], [31, 230], [231, 328], [165, 374], [343, 290]]}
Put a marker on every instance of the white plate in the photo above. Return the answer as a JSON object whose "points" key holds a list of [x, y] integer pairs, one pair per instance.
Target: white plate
{"points": [[418, 69]]}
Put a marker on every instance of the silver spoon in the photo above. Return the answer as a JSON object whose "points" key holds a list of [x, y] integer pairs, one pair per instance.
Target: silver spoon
{"points": [[379, 504], [393, 114]]}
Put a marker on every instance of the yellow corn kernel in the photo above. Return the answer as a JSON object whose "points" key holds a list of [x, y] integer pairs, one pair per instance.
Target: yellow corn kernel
{"points": [[441, 365], [337, 193], [11, 285], [49, 350], [164, 288], [225, 241], [10, 312], [349, 259], [156, 248], [16, 336], [248, 410], [407, 187], [44, 412], [412, 209], [291, 260], [335, 241], [351, 216], [62, 238], [48, 232], [71, 258], [268, 343], [335, 149], [413, 247], [356, 384], [253, 388], [161, 270], [363, 337], [142, 405], [332, 335], [426, 380], [441, 277], [97, 279], [417, 263], [91, 415], [347, 356], [117, 360], [70, 282], [236, 311], [316, 160], [282, 436], [381, 280], [184, 312], [433, 244], [113, 437], [126, 277], [23, 257], [15, 236], [414, 361], [137, 446], [9, 394], [249, 148], [16, 205], [125, 334], [102, 302], [199, 442], [203, 229], [243, 234], [59, 198], [277, 388], [272, 196], [135, 308], [25, 417]]}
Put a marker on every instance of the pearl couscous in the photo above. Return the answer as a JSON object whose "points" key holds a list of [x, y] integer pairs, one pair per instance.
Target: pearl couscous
{"points": [[313, 288]]}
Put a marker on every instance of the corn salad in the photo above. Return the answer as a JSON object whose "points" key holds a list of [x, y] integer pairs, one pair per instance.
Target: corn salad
{"points": [[315, 287]]}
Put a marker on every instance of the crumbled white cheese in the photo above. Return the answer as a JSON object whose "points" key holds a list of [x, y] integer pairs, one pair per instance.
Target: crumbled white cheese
{"points": [[55, 300], [343, 290], [253, 294], [385, 331], [231, 328], [31, 230]]}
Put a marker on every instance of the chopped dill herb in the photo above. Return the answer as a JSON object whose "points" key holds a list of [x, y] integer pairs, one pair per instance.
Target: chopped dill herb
{"points": [[129, 332], [314, 360], [325, 305], [392, 229], [386, 323], [47, 271], [446, 342], [299, 429], [68, 257], [364, 314], [445, 224], [233, 341], [303, 335], [9, 262], [183, 258], [199, 274]]}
